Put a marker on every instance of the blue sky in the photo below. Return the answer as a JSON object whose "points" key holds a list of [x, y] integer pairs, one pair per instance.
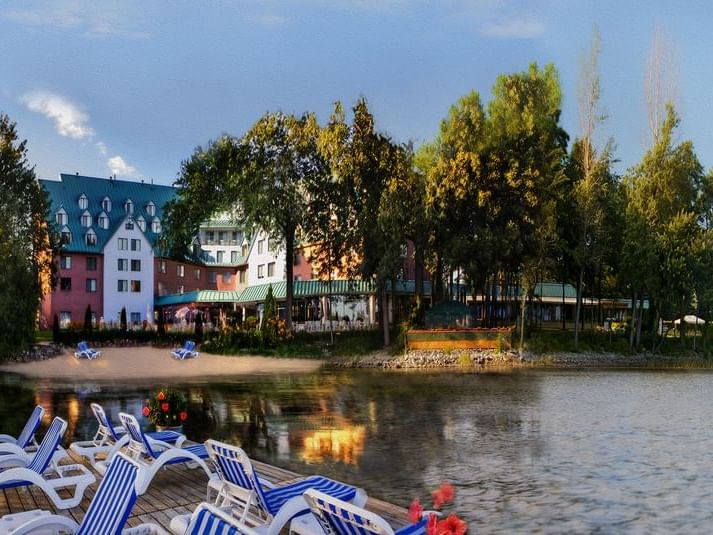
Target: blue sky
{"points": [[132, 87]]}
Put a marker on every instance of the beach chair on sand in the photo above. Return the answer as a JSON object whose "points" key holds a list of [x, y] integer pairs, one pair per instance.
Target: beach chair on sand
{"points": [[254, 501], [109, 438], [85, 352], [333, 516], [37, 471], [107, 512], [25, 441], [151, 455], [187, 351]]}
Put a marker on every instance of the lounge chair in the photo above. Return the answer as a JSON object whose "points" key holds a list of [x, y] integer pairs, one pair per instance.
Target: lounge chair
{"points": [[85, 352], [36, 471], [187, 351], [109, 438], [333, 516], [252, 501], [107, 512], [207, 518], [26, 439], [151, 455]]}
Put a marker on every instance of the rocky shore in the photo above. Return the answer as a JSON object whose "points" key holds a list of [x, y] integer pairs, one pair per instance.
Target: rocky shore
{"points": [[41, 351]]}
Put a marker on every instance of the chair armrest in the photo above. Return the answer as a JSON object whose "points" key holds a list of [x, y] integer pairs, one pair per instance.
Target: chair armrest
{"points": [[8, 439]]}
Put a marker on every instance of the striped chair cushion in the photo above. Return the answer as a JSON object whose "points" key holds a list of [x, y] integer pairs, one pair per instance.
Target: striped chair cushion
{"points": [[198, 449], [28, 432], [51, 440], [207, 523], [275, 498]]}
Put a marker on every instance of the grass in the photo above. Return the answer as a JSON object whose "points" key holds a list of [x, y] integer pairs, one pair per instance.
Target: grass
{"points": [[43, 336]]}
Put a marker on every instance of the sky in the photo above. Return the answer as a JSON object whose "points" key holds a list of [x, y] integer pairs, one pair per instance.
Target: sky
{"points": [[133, 87]]}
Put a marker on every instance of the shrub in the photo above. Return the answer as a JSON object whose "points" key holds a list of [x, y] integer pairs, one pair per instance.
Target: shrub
{"points": [[167, 408]]}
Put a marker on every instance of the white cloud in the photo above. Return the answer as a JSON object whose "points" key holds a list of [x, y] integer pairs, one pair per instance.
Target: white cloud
{"points": [[69, 119], [101, 147], [515, 28], [118, 166]]}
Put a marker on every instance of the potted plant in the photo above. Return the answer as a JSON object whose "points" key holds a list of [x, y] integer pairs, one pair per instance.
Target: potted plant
{"points": [[168, 409]]}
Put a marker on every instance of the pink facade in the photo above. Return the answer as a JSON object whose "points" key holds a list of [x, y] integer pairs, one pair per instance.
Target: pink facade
{"points": [[79, 281]]}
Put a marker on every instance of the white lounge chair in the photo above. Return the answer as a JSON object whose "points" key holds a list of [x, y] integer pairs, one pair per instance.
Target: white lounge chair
{"points": [[187, 351], [208, 519], [107, 512], [85, 352], [332, 516], [109, 438], [252, 501], [36, 471], [25, 441], [151, 455]]}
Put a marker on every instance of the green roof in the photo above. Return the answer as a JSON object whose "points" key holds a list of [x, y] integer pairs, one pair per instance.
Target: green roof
{"points": [[198, 296], [554, 289]]}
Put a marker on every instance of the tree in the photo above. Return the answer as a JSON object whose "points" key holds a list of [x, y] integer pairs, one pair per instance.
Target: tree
{"points": [[27, 243], [88, 320], [161, 326], [122, 320], [269, 318], [198, 327], [55, 329]]}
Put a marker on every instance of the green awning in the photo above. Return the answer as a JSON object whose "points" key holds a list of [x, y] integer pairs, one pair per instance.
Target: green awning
{"points": [[198, 296]]}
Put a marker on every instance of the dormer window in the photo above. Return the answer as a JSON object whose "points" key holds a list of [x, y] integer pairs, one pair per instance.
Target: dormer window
{"points": [[83, 202], [61, 217], [65, 236], [86, 219], [141, 223], [106, 204], [129, 206], [90, 237], [129, 225], [156, 225], [151, 209], [103, 221]]}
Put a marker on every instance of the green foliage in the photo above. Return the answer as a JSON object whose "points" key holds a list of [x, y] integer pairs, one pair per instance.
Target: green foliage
{"points": [[198, 327], [88, 319], [27, 244], [168, 407], [269, 325], [55, 329], [122, 320]]}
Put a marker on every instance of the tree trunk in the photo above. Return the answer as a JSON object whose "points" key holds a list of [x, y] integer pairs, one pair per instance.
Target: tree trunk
{"points": [[437, 294], [578, 307], [289, 271], [418, 273], [522, 318], [640, 321], [632, 333], [384, 315], [564, 308]]}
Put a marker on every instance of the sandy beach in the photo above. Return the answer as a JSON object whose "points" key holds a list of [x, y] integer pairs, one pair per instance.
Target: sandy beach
{"points": [[148, 362]]}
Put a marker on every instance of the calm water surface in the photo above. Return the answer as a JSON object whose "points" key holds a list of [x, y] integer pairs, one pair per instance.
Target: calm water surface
{"points": [[535, 451]]}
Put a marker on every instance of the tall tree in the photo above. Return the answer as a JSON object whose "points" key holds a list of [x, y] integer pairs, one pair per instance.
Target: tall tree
{"points": [[27, 244]]}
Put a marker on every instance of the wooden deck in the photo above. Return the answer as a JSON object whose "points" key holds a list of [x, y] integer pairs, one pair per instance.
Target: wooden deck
{"points": [[175, 490]]}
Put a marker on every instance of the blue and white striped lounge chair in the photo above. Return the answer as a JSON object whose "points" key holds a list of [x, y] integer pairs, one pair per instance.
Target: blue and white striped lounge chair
{"points": [[85, 352], [252, 500], [26, 439], [107, 512], [187, 351], [151, 455], [332, 516], [36, 471], [109, 438], [208, 519]]}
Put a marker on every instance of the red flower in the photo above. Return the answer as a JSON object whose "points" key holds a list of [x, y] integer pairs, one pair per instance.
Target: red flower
{"points": [[146, 411], [415, 511], [161, 396], [164, 407], [183, 416], [444, 494], [451, 526], [432, 525], [438, 499]]}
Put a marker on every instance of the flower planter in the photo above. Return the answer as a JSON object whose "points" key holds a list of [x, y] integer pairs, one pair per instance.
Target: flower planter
{"points": [[176, 428]]}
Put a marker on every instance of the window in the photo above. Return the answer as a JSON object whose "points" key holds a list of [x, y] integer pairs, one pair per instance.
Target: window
{"points": [[91, 263], [83, 202], [221, 238], [261, 271], [65, 318], [65, 284], [234, 238], [212, 277], [106, 204], [61, 217], [135, 286], [123, 244], [103, 221], [151, 209], [244, 250], [86, 219], [65, 262], [136, 265], [123, 285], [209, 237], [141, 223], [91, 285], [197, 273], [66, 236], [129, 206], [135, 318], [129, 225], [156, 225], [220, 256], [162, 288], [180, 270], [241, 276], [260, 246], [162, 266], [123, 264], [270, 245], [227, 276], [271, 269], [233, 257], [404, 250], [91, 238], [181, 289], [135, 245]]}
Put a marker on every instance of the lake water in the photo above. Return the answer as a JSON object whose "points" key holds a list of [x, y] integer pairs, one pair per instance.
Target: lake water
{"points": [[530, 451]]}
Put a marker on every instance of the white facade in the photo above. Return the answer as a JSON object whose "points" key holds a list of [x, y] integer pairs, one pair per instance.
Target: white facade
{"points": [[224, 242], [266, 261], [129, 250]]}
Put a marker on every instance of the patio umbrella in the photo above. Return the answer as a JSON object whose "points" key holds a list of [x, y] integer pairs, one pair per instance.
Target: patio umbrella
{"points": [[690, 319], [181, 312]]}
